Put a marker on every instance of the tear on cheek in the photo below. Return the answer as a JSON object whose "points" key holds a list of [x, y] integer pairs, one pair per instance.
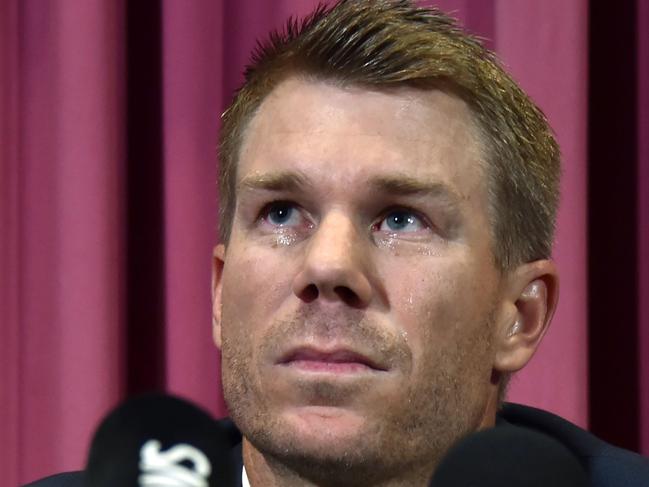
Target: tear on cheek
{"points": [[283, 239], [400, 246]]}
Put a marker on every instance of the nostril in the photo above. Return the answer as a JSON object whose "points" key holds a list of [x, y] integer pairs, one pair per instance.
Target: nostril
{"points": [[310, 293], [348, 296]]}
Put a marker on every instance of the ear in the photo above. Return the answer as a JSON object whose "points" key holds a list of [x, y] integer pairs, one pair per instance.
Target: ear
{"points": [[218, 261], [532, 291]]}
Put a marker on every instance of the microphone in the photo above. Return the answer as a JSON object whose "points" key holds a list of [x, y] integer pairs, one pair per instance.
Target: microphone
{"points": [[160, 441], [509, 456]]}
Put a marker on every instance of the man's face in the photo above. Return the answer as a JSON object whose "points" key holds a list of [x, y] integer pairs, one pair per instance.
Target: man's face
{"points": [[356, 298]]}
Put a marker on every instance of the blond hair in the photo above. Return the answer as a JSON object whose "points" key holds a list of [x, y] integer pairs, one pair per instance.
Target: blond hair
{"points": [[387, 43]]}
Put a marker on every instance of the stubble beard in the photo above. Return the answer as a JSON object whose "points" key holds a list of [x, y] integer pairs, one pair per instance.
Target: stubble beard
{"points": [[410, 438]]}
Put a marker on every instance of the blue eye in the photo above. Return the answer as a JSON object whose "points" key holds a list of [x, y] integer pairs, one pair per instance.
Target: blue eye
{"points": [[282, 214], [401, 221]]}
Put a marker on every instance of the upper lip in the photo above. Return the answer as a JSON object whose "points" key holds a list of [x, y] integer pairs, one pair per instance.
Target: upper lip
{"points": [[334, 355]]}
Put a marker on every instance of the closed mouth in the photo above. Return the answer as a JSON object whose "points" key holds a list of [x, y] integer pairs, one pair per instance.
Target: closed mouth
{"points": [[338, 360]]}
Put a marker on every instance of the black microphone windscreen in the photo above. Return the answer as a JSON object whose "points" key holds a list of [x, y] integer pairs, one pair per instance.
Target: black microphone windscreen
{"points": [[509, 456], [158, 440]]}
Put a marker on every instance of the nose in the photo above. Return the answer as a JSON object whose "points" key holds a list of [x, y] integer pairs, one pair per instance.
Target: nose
{"points": [[335, 266]]}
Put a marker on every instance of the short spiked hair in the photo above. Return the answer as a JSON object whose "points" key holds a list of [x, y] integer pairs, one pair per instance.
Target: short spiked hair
{"points": [[388, 43]]}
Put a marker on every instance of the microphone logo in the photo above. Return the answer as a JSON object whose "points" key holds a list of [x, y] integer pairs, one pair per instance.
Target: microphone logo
{"points": [[166, 469]]}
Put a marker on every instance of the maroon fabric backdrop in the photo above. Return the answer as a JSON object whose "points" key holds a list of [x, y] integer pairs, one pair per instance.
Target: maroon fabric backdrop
{"points": [[642, 189], [109, 112]]}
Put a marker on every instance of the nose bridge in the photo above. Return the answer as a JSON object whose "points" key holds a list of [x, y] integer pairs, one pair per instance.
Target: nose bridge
{"points": [[334, 243], [334, 267]]}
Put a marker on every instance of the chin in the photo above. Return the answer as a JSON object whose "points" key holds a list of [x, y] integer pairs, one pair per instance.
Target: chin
{"points": [[325, 426], [319, 435], [325, 446]]}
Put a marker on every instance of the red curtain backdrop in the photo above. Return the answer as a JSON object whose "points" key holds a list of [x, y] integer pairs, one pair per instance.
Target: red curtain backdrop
{"points": [[109, 112], [642, 221]]}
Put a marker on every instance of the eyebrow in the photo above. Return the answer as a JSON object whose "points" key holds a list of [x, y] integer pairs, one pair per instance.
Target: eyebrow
{"points": [[402, 184], [396, 184], [275, 181]]}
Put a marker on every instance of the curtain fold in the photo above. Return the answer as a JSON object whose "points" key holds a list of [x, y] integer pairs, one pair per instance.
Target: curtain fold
{"points": [[643, 220], [109, 114], [64, 153], [615, 252], [192, 79], [9, 243]]}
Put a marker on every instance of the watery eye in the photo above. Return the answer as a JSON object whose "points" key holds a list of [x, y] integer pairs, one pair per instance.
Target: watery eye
{"points": [[401, 221], [282, 214]]}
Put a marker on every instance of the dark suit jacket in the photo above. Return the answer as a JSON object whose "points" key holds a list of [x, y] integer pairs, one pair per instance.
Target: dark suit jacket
{"points": [[607, 466]]}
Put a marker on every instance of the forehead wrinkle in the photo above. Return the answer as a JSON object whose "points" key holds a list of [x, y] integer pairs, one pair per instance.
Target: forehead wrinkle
{"points": [[403, 184]]}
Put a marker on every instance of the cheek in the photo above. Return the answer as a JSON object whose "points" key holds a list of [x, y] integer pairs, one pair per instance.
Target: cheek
{"points": [[255, 284], [436, 306]]}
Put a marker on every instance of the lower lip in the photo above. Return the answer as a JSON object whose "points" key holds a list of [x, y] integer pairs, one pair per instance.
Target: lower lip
{"points": [[329, 367]]}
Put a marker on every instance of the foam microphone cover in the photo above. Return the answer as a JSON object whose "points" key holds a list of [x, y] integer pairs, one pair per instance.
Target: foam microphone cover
{"points": [[509, 456], [158, 440]]}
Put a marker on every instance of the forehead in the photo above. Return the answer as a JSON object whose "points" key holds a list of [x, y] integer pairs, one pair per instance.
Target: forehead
{"points": [[316, 127]]}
